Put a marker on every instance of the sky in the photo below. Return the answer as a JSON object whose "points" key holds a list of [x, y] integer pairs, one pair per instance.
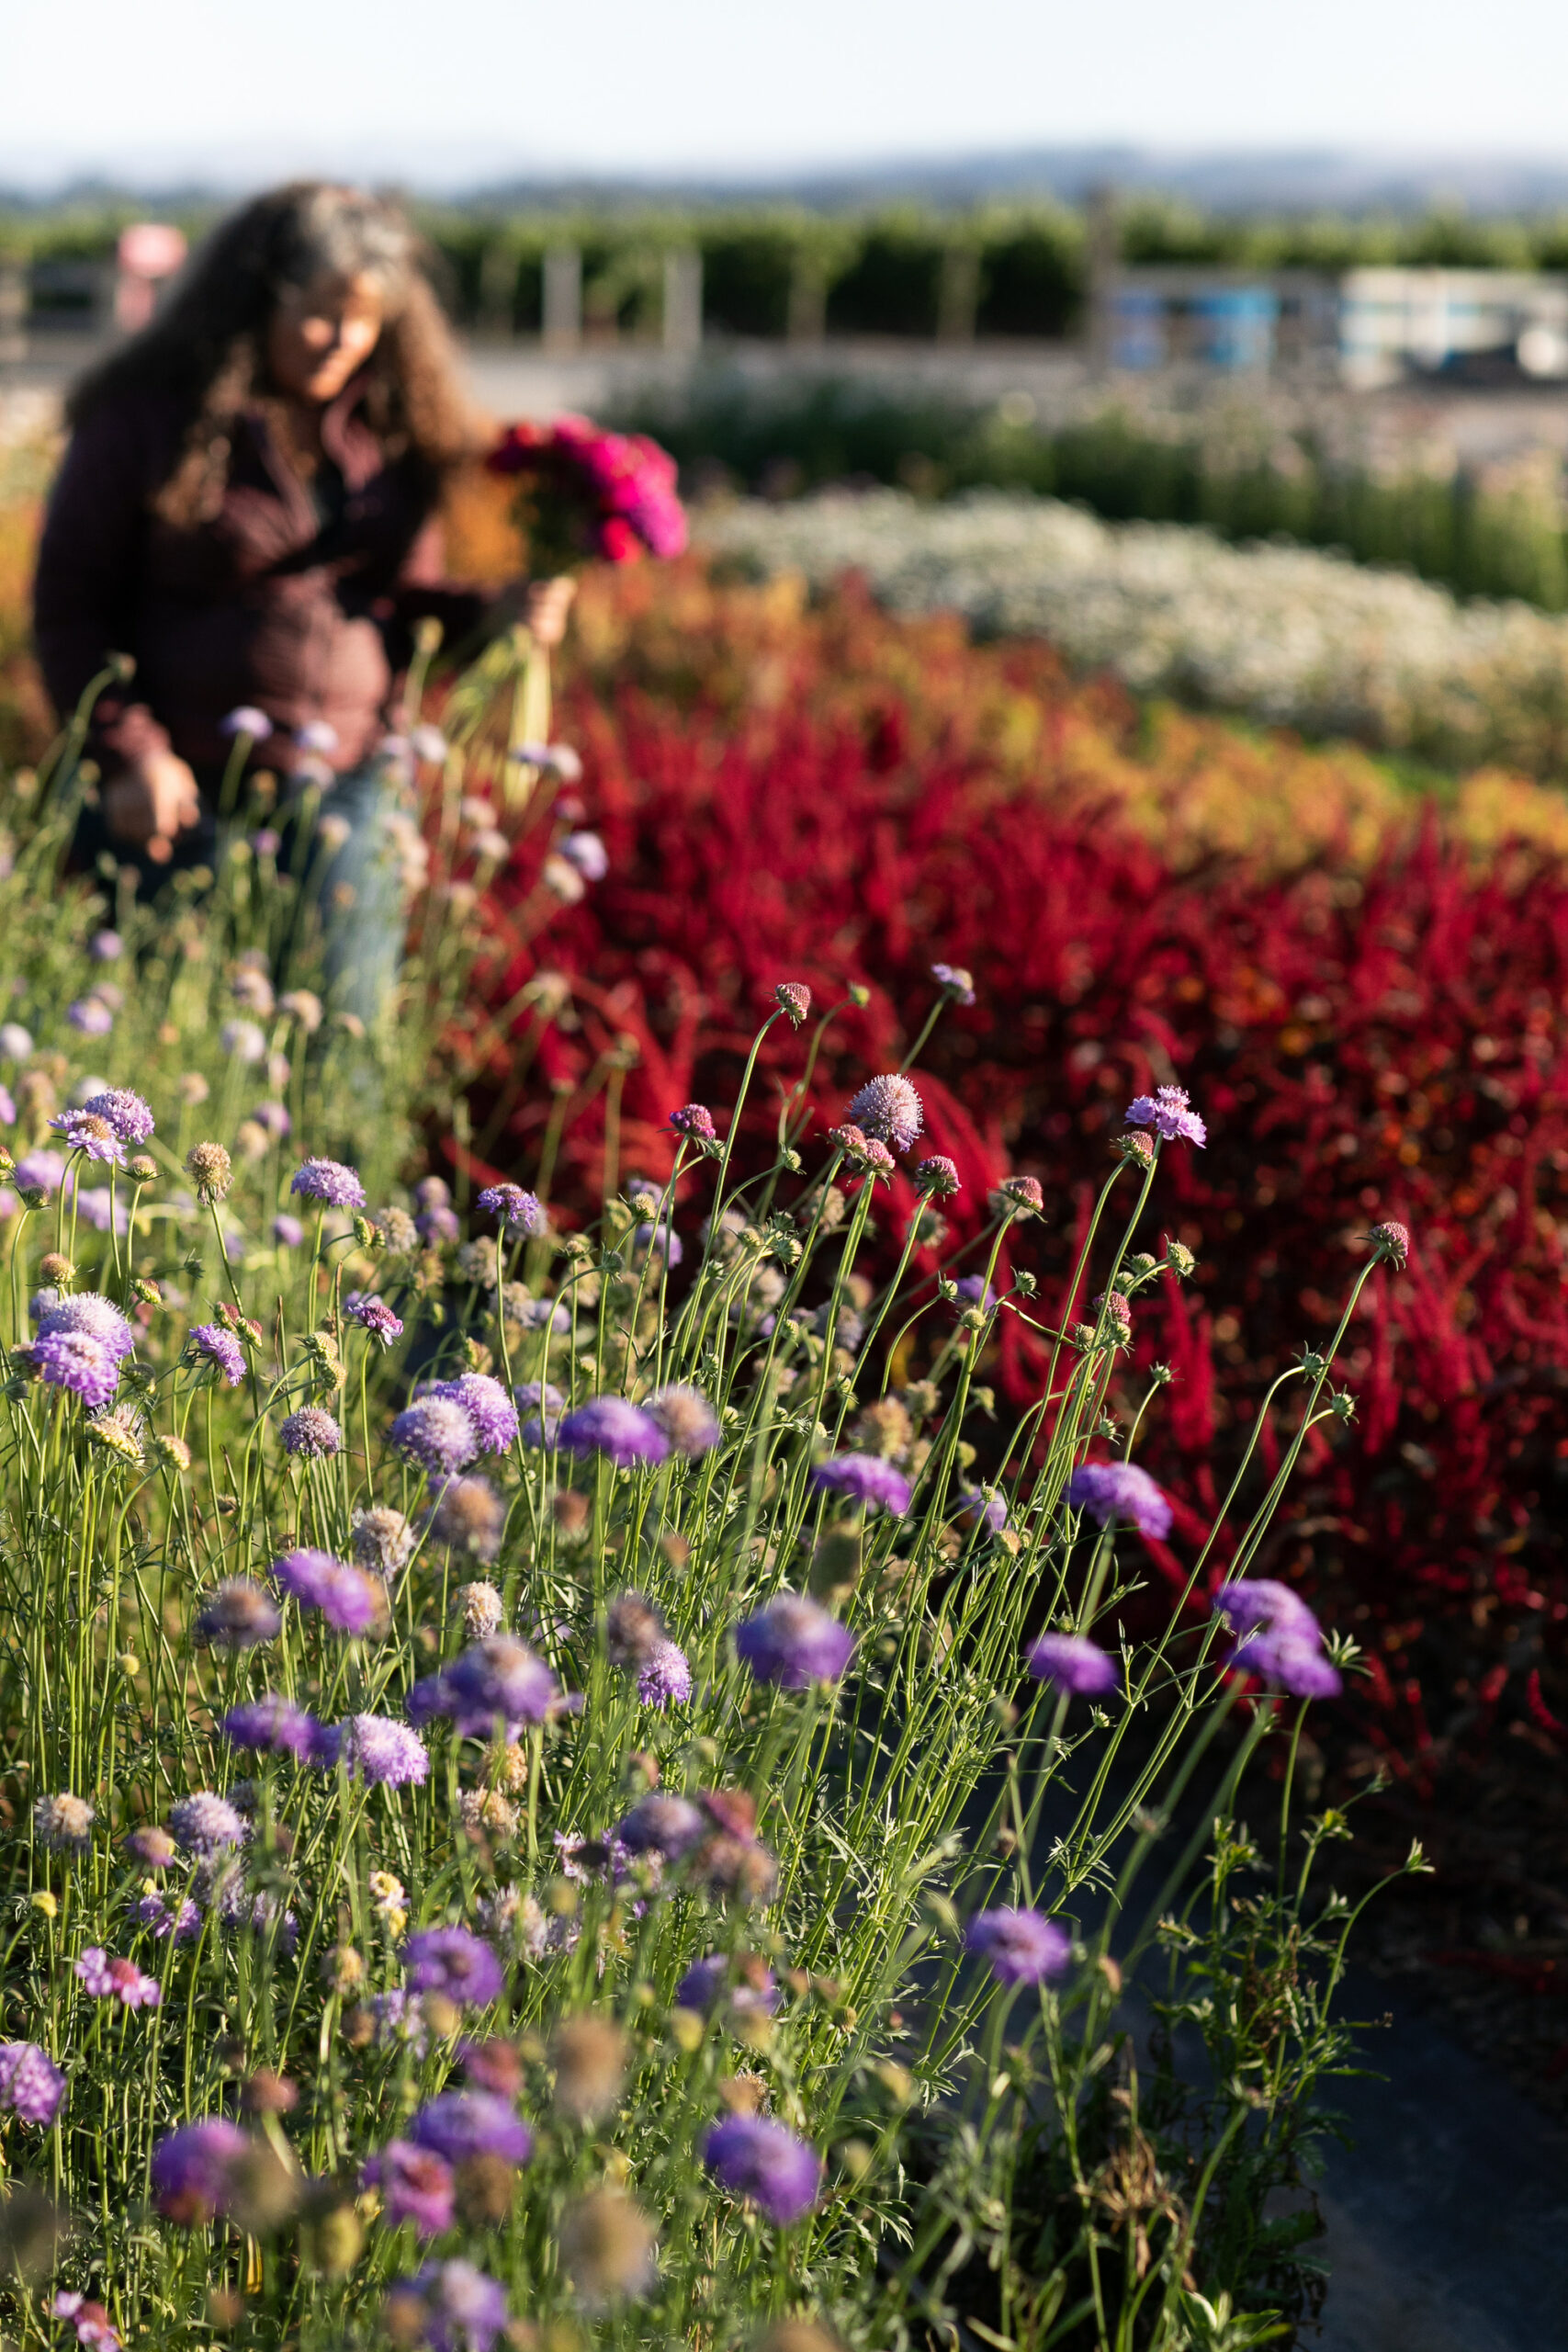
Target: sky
{"points": [[164, 90]]}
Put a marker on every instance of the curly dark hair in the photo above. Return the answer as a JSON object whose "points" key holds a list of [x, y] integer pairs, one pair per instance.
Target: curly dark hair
{"points": [[208, 343]]}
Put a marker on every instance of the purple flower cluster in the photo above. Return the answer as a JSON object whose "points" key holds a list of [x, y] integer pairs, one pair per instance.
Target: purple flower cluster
{"points": [[275, 1726], [493, 1684], [329, 1181], [373, 1315], [766, 2164], [451, 1961], [436, 1435], [348, 1599], [1110, 1491], [116, 1980], [91, 1136], [310, 1434], [889, 1110], [490, 1410], [664, 1825], [238, 1614], [794, 1643], [664, 1678], [32, 2085], [694, 1119], [622, 1432], [126, 1113], [450, 2306], [1019, 1947], [865, 1478], [383, 1753], [1068, 1663], [195, 2170], [463, 2124], [1167, 1112], [686, 1417], [221, 1348], [204, 1824], [89, 1312], [416, 2186], [513, 1205], [1278, 1638], [76, 1362]]}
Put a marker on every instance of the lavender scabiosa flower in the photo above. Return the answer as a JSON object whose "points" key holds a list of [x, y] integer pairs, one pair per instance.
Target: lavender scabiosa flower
{"points": [[153, 1847], [1167, 1112], [106, 947], [663, 1824], [462, 2124], [373, 1315], [416, 2186], [1019, 1947], [275, 1725], [794, 1643], [329, 1181], [865, 1478], [747, 1985], [65, 1823], [588, 854], [623, 1432], [126, 1113], [117, 1980], [794, 999], [32, 2085], [91, 1016], [89, 1311], [238, 1613], [451, 1961], [349, 1599], [1068, 1663], [498, 1682], [219, 1348], [1018, 1196], [310, 1434], [487, 1406], [766, 2164], [513, 1205], [94, 1138], [1110, 1491], [75, 1360], [383, 1753], [469, 1515], [204, 1824], [95, 2331], [955, 980], [195, 2169], [244, 1040], [888, 1110], [450, 2306], [1278, 1638], [686, 1419], [164, 1922], [694, 1119], [246, 719], [938, 1177], [664, 1677], [318, 736], [436, 1434]]}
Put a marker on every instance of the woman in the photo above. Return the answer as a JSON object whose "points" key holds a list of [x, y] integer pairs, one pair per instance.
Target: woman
{"points": [[248, 507]]}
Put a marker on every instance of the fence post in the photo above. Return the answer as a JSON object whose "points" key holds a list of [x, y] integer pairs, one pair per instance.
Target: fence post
{"points": [[563, 299], [958, 294], [13, 313], [683, 321]]}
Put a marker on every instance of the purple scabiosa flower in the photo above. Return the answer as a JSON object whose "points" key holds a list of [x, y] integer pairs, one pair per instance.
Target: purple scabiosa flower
{"points": [[1278, 1638], [487, 1405], [1069, 1663], [538, 1395], [126, 1113], [383, 1753], [694, 1119], [94, 1138], [89, 1311], [75, 1360], [63, 1823], [1116, 1311], [938, 1177], [221, 1348], [686, 1419], [195, 2169], [1391, 1240], [416, 2186], [793, 998], [16, 1043], [237, 1614], [865, 1478], [318, 736], [329, 1181], [451, 1961], [95, 2331], [495, 1682], [106, 947], [513, 1205], [243, 1040], [153, 1847], [664, 1825], [888, 1110], [7, 1107], [794, 1643], [373, 1315], [288, 1232], [958, 983], [162, 1922], [766, 2164], [664, 1678], [588, 854], [1168, 1112], [749, 1984], [864, 1152], [349, 1599], [273, 1725], [450, 2306], [436, 1434], [460, 2124], [1114, 1490], [32, 2085], [91, 1016], [117, 1980], [975, 1511], [246, 719], [623, 1432], [204, 1824], [662, 1240], [43, 1171], [1251, 1605], [273, 1119], [1019, 1946], [438, 1224], [310, 1434]]}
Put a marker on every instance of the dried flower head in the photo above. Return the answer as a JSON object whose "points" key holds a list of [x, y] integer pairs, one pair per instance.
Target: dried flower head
{"points": [[469, 1515], [607, 2245], [686, 1419], [888, 1110], [1391, 1241], [588, 2054], [481, 1608], [238, 1614], [210, 1171], [382, 1539], [63, 1823]]}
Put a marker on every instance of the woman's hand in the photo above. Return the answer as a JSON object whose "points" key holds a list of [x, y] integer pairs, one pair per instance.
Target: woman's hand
{"points": [[545, 605], [151, 801]]}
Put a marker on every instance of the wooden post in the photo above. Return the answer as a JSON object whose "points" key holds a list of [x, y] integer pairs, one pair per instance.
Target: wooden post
{"points": [[563, 300], [682, 320]]}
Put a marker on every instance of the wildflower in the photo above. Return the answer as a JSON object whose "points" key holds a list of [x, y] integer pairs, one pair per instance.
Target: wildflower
{"points": [[438, 1224], [427, 744], [468, 1516], [1069, 1663], [266, 2092], [380, 1540], [329, 1181], [91, 1015], [632, 1625], [686, 1417], [94, 1138], [766, 2164], [621, 1431], [310, 1434], [118, 1433], [204, 1824], [667, 1826], [1391, 1241], [1114, 1309], [865, 1479], [374, 1315], [16, 1043], [694, 1119], [495, 1682], [938, 1178], [348, 1599], [304, 1006], [153, 1848], [74, 1360], [486, 1813], [1018, 1196], [288, 1232], [210, 1171], [664, 1678], [275, 1724], [513, 1205], [32, 2085], [119, 1980], [888, 1110], [794, 1643], [416, 2186], [65, 1823], [1168, 1112], [955, 980], [1278, 1638], [238, 1614], [246, 719], [606, 2244], [195, 2170], [450, 2306], [317, 736], [436, 1434], [219, 1348], [1110, 1491], [462, 2124], [451, 1961], [708, 1981], [89, 1312], [243, 1040], [95, 2331], [164, 1923], [1019, 1947], [586, 853], [487, 1405], [493, 2066], [589, 2054], [793, 998]]}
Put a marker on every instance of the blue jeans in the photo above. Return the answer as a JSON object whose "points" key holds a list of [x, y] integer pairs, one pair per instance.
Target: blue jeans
{"points": [[358, 894]]}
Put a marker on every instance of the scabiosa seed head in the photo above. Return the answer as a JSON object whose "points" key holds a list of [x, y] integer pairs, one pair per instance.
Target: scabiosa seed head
{"points": [[221, 1348], [794, 1642], [453, 1962], [1067, 1662], [1120, 1490], [865, 1479], [374, 1315], [686, 1419], [238, 1614], [888, 1110], [310, 1434], [195, 2170], [349, 1599], [623, 1432], [153, 1847], [938, 1178], [664, 1825], [513, 1205], [211, 1170], [382, 1753], [1168, 1112], [382, 1539], [606, 2244], [204, 1824], [416, 2186], [589, 2053], [1391, 1241], [664, 1678], [955, 980], [329, 1181], [63, 1823], [766, 2164], [435, 1434], [694, 1119], [469, 1515], [75, 1360], [246, 719], [1019, 1947], [1114, 1308], [462, 2124], [632, 1625], [32, 2085]]}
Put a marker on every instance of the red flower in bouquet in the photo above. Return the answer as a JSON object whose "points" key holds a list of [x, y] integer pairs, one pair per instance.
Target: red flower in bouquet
{"points": [[584, 491]]}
